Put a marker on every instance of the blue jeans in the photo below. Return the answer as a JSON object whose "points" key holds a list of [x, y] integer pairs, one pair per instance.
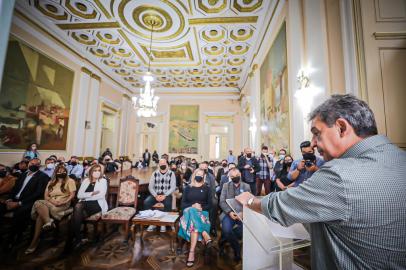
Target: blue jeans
{"points": [[150, 201], [232, 235]]}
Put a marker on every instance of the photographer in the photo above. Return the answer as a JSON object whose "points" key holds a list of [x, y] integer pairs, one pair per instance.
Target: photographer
{"points": [[302, 169]]}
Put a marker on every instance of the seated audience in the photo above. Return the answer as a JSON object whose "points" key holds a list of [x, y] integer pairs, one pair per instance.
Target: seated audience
{"points": [[303, 168], [231, 225], [111, 165], [29, 187], [92, 200], [57, 199], [225, 178], [161, 186], [75, 170], [20, 168], [281, 179], [107, 152], [221, 171], [194, 224], [7, 181], [49, 167], [139, 164]]}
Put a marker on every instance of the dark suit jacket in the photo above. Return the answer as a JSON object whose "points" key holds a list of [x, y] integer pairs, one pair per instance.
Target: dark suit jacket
{"points": [[228, 192], [146, 156], [243, 161], [34, 190]]}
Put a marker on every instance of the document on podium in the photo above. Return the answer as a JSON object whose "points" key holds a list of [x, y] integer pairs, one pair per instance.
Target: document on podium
{"points": [[266, 231]]}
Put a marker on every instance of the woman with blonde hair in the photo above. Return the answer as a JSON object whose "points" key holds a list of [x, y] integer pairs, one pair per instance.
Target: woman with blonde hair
{"points": [[195, 222], [92, 200], [57, 198]]}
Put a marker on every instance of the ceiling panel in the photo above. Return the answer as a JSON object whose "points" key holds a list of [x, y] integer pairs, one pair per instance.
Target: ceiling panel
{"points": [[207, 44]]}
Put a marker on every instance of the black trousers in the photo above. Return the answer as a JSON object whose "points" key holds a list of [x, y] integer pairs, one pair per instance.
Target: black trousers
{"points": [[21, 218]]}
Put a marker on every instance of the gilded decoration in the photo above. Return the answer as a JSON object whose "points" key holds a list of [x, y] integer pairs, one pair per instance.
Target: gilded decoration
{"points": [[205, 43]]}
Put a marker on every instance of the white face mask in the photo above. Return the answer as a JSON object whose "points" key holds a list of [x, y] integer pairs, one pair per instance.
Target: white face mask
{"points": [[281, 157], [50, 165], [96, 175], [183, 167]]}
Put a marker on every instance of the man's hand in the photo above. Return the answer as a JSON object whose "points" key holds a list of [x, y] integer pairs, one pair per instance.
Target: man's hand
{"points": [[12, 205], [244, 197], [247, 166], [95, 192], [160, 198], [313, 168], [233, 215], [301, 165]]}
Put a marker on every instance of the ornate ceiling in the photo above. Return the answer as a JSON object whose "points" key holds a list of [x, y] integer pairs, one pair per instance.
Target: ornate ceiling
{"points": [[196, 43]]}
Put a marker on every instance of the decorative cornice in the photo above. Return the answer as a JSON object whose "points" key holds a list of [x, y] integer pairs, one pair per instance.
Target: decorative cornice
{"points": [[96, 77], [85, 70]]}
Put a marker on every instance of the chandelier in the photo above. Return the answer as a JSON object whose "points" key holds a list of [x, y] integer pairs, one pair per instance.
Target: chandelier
{"points": [[146, 103]]}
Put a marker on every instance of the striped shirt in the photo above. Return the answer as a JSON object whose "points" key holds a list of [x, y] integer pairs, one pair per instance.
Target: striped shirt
{"points": [[356, 207]]}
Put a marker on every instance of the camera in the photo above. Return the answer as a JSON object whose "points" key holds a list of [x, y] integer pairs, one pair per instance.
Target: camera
{"points": [[308, 163]]}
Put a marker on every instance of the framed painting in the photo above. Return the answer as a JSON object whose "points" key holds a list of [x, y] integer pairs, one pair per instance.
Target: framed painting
{"points": [[35, 99], [183, 129], [274, 96]]}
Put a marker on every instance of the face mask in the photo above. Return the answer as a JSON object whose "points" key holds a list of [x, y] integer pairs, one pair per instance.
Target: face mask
{"points": [[96, 175], [183, 167], [33, 168], [50, 165], [235, 179], [73, 163], [249, 155], [281, 157], [61, 175], [173, 169], [288, 163], [224, 165], [162, 167], [198, 179], [264, 153], [211, 165], [3, 173]]}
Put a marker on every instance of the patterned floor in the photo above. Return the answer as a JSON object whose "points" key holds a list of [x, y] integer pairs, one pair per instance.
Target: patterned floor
{"points": [[153, 252]]}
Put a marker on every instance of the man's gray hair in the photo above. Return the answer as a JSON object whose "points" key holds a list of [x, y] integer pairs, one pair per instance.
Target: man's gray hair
{"points": [[352, 109]]}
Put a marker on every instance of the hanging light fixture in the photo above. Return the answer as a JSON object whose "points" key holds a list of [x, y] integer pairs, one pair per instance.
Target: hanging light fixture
{"points": [[146, 103]]}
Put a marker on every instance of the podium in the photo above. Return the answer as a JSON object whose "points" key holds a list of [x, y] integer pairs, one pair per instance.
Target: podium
{"points": [[268, 245]]}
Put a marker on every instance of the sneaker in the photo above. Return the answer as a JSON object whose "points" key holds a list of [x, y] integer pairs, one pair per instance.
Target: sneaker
{"points": [[151, 228], [163, 229]]}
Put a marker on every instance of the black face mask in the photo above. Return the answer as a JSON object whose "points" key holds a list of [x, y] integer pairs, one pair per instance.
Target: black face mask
{"points": [[249, 155], [224, 165], [236, 179], [162, 167], [3, 173], [211, 164], [173, 169], [61, 175], [34, 168], [287, 164], [73, 163], [198, 179]]}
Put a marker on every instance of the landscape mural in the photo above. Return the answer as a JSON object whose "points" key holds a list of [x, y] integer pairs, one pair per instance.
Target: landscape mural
{"points": [[35, 97], [183, 129]]}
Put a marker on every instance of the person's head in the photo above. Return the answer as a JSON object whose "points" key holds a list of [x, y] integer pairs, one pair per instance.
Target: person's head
{"points": [[146, 150], [107, 158], [224, 163], [60, 159], [204, 166], [74, 160], [231, 165], [173, 167], [3, 171], [211, 163], [198, 177], [264, 150], [27, 158], [163, 165], [230, 152], [60, 174], [339, 123], [235, 175], [95, 172], [53, 157], [32, 147], [107, 149], [50, 163], [287, 162], [34, 164], [248, 152], [282, 154], [23, 165]]}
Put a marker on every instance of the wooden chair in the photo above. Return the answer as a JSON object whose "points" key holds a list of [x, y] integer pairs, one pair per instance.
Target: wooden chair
{"points": [[95, 218], [126, 204]]}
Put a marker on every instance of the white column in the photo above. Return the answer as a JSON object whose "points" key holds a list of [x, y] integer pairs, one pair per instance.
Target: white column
{"points": [[79, 106], [6, 14], [92, 112], [124, 125], [255, 112]]}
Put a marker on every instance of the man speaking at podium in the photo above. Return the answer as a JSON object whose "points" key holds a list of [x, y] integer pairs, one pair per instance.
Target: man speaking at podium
{"points": [[355, 203]]}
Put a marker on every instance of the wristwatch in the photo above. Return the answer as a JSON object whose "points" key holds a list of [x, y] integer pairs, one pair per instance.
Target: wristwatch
{"points": [[250, 201]]}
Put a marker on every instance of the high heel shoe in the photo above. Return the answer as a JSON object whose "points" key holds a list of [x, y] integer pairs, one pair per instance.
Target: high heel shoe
{"points": [[189, 263], [30, 250]]}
